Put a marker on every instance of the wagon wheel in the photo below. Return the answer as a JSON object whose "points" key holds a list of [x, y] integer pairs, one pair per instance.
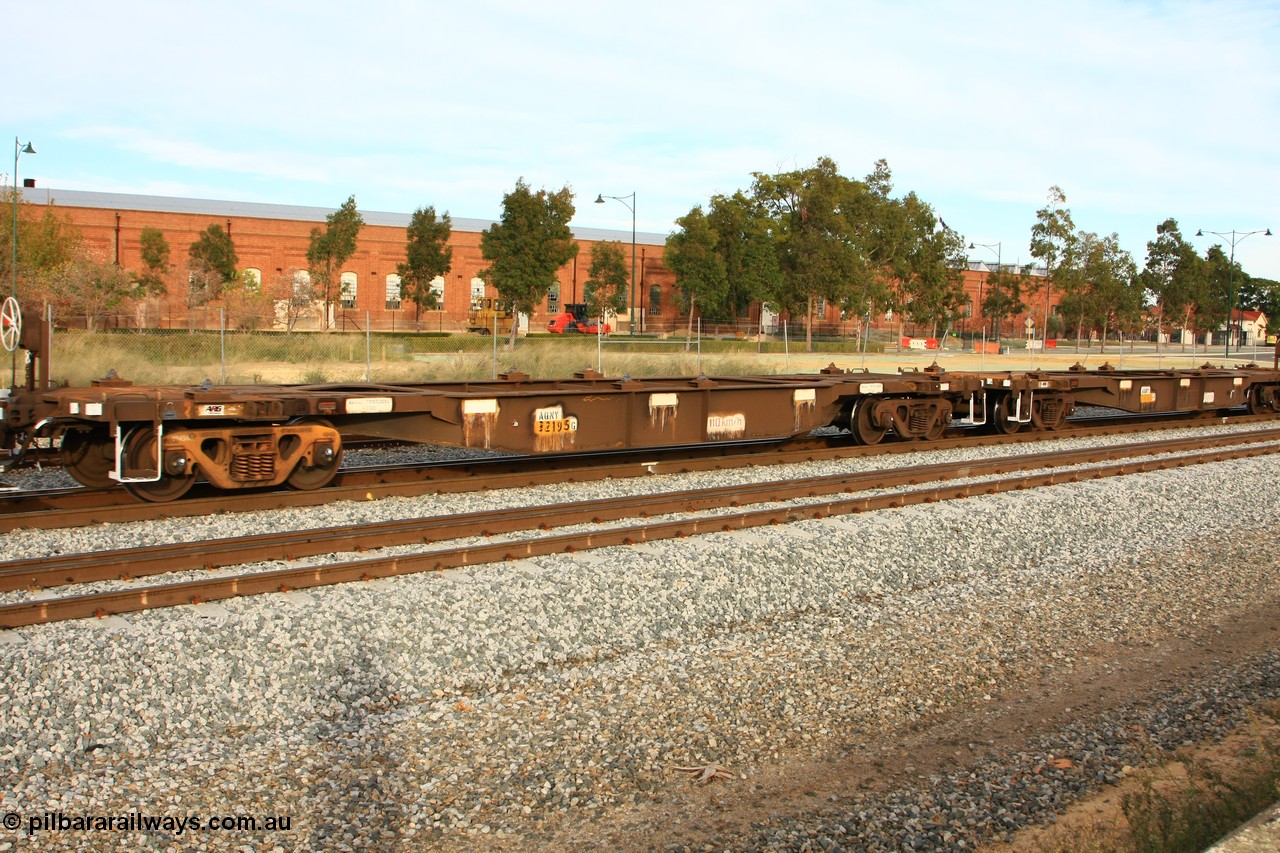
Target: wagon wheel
{"points": [[10, 324], [1059, 418], [860, 424], [305, 478], [89, 457], [940, 423], [1264, 399], [1000, 411], [140, 456]]}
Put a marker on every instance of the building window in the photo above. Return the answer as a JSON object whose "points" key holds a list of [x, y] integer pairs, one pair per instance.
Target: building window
{"points": [[655, 299], [301, 284], [393, 292], [437, 287], [553, 299], [477, 289], [252, 279], [347, 290]]}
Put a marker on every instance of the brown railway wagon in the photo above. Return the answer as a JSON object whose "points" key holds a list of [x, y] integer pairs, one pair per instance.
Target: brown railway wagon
{"points": [[158, 440]]}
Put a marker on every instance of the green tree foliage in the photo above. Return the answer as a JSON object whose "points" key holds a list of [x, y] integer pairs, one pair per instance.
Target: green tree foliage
{"points": [[818, 254], [1261, 294], [90, 288], [1105, 290], [47, 242], [1219, 276], [1173, 277], [153, 278], [427, 255], [528, 246], [606, 286], [699, 269], [1053, 241], [1002, 298], [215, 251], [330, 248], [745, 243], [211, 263], [928, 267]]}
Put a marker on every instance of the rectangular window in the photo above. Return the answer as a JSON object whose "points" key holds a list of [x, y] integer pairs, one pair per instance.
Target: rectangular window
{"points": [[655, 299], [347, 290], [553, 299], [393, 292]]}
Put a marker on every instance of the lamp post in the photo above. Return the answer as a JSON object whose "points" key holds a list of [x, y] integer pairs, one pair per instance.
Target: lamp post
{"points": [[18, 148], [998, 247], [1235, 237], [631, 207]]}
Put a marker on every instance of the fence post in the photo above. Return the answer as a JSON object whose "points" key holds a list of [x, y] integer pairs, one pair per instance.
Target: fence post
{"points": [[786, 348], [495, 340], [368, 352], [699, 346], [222, 338]]}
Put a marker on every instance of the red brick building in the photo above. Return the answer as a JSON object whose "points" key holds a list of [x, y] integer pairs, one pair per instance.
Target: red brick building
{"points": [[272, 240]]}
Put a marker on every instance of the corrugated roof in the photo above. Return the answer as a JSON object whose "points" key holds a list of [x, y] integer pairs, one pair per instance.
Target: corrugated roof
{"points": [[295, 213]]}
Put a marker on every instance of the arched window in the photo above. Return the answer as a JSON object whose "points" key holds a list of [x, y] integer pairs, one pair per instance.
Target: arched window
{"points": [[553, 299], [477, 288], [252, 278], [347, 290], [437, 287], [301, 284], [393, 292], [655, 299]]}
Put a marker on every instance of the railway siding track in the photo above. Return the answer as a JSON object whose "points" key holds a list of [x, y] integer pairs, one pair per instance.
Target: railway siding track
{"points": [[898, 485], [80, 507]]}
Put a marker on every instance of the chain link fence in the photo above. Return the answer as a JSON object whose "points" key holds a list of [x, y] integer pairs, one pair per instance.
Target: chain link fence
{"points": [[226, 355]]}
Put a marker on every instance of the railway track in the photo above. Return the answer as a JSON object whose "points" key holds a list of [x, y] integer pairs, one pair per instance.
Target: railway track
{"points": [[697, 511], [77, 507]]}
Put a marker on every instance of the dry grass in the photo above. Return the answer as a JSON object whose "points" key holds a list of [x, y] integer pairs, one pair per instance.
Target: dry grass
{"points": [[183, 359]]}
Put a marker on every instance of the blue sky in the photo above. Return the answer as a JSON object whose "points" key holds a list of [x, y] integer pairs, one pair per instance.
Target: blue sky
{"points": [[1138, 110]]}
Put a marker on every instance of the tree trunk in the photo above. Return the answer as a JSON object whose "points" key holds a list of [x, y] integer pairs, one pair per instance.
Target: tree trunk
{"points": [[688, 332], [808, 324]]}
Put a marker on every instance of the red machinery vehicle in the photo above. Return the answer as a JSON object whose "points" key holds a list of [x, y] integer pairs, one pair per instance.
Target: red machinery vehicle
{"points": [[574, 320]]}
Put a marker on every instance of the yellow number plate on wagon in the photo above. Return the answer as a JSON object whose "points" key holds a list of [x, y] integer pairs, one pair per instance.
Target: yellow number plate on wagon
{"points": [[552, 421]]}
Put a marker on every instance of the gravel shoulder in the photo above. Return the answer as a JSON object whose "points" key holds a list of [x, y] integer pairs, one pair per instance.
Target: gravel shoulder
{"points": [[896, 678]]}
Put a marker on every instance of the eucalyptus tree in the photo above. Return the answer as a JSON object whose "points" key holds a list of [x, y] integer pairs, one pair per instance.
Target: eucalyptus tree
{"points": [[428, 255], [928, 268], [153, 278], [691, 253], [818, 256], [1172, 276], [330, 248], [745, 241], [1005, 287], [1111, 292], [1218, 276], [528, 246], [211, 263], [605, 289], [1053, 243]]}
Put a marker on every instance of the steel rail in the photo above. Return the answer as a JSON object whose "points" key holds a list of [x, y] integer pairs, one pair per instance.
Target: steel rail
{"points": [[115, 505], [62, 570], [187, 592]]}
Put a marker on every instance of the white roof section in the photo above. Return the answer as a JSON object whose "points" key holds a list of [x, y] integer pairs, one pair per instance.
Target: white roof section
{"points": [[294, 213]]}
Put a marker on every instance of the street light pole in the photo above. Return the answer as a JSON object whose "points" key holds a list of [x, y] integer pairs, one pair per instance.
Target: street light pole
{"points": [[631, 207], [18, 148], [1235, 237], [999, 267]]}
